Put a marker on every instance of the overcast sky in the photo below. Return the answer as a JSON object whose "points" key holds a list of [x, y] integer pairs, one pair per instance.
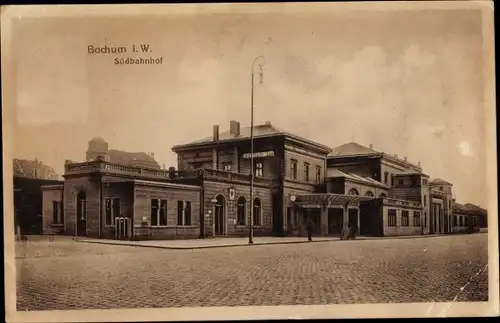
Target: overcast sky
{"points": [[408, 82]]}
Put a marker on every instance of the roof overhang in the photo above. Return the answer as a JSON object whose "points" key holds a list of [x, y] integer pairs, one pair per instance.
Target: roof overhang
{"points": [[325, 199]]}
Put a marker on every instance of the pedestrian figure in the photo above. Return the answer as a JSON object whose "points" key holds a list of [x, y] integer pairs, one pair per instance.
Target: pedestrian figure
{"points": [[310, 228], [354, 231]]}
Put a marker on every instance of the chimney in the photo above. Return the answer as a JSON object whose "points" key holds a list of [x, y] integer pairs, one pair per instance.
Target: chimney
{"points": [[371, 146], [418, 163], [234, 128], [268, 123], [216, 133], [405, 159], [68, 161], [396, 155], [152, 155]]}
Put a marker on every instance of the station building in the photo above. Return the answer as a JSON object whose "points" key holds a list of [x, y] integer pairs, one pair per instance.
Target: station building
{"points": [[209, 195]]}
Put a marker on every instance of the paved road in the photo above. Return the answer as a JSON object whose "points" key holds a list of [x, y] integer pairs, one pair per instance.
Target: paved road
{"points": [[74, 275]]}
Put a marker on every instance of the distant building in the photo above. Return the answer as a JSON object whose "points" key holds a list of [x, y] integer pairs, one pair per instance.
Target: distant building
{"points": [[29, 177], [295, 179], [98, 147]]}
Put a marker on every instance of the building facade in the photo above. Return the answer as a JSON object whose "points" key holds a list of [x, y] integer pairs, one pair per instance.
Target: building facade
{"points": [[209, 194]]}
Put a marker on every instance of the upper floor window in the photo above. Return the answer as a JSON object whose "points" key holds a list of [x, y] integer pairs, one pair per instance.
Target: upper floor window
{"points": [[306, 172], [386, 177], [258, 169], [401, 182], [392, 180], [318, 174], [353, 191], [369, 193], [226, 167], [425, 200], [293, 169], [424, 181], [383, 196]]}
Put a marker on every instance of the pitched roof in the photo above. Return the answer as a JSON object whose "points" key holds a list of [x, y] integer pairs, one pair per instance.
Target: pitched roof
{"points": [[334, 172], [33, 169], [352, 149], [137, 159], [439, 181], [262, 130]]}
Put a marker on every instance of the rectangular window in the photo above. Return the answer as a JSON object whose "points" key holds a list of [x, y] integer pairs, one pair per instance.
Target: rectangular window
{"points": [[306, 172], [112, 210], [187, 213], [416, 219], [227, 167], [289, 217], [405, 218], [401, 182], [460, 221], [154, 212], [392, 180], [258, 168], [293, 169], [318, 174], [425, 200], [162, 216], [61, 212], [55, 212], [180, 212], [392, 217]]}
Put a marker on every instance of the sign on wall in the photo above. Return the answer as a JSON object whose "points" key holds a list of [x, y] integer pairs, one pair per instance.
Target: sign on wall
{"points": [[259, 154], [232, 194]]}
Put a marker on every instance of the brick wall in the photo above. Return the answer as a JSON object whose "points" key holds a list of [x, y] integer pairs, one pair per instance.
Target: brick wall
{"points": [[399, 229], [91, 187], [49, 196], [142, 208], [212, 189]]}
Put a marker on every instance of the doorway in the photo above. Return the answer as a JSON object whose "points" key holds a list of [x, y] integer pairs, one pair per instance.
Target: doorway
{"points": [[353, 217], [219, 213], [335, 221], [81, 214]]}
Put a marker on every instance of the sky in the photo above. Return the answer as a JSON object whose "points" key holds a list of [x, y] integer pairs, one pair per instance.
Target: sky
{"points": [[408, 82]]}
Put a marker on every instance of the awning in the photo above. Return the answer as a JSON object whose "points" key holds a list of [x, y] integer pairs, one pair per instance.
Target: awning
{"points": [[309, 200]]}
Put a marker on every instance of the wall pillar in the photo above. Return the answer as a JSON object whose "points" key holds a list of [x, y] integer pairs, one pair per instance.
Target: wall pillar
{"points": [[345, 221], [215, 159], [324, 220], [236, 162]]}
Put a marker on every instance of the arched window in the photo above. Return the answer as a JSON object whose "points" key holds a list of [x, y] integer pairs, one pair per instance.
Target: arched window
{"points": [[386, 177], [241, 211], [369, 193], [257, 212], [353, 191], [383, 196]]}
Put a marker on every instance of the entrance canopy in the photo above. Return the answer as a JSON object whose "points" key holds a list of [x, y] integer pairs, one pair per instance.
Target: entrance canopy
{"points": [[325, 199]]}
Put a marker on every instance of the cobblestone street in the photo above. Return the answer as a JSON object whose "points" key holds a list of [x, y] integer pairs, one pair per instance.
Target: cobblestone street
{"points": [[65, 274]]}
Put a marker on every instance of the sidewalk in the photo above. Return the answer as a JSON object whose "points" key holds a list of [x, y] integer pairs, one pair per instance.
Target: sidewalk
{"points": [[186, 244]]}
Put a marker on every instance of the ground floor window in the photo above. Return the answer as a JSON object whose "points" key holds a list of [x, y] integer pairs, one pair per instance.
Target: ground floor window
{"points": [[112, 210], [257, 212], [158, 212], [405, 218], [455, 220], [183, 213], [416, 219], [57, 212], [289, 217], [391, 217], [241, 211]]}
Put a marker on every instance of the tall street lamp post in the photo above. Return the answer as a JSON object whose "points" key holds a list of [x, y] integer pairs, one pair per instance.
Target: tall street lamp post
{"points": [[258, 61]]}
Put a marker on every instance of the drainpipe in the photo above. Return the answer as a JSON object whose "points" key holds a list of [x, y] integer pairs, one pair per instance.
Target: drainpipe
{"points": [[100, 206]]}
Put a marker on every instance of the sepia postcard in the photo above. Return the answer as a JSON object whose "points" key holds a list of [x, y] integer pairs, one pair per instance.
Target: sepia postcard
{"points": [[251, 161]]}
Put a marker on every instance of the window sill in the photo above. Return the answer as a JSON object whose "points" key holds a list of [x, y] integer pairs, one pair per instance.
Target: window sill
{"points": [[57, 225]]}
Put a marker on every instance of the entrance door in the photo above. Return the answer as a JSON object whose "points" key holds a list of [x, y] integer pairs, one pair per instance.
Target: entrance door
{"points": [[353, 217], [219, 215], [81, 214], [335, 221]]}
